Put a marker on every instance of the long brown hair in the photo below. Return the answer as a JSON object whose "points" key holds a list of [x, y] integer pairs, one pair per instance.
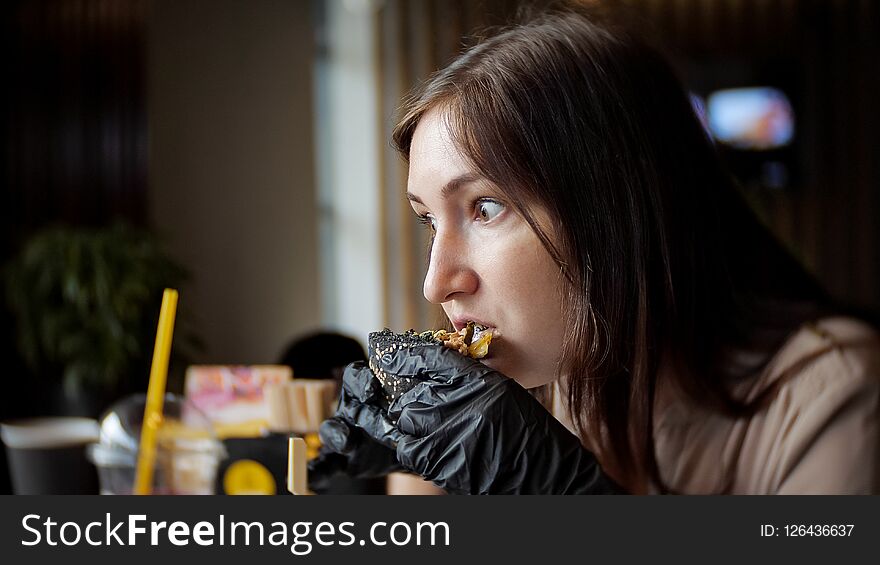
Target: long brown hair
{"points": [[662, 257]]}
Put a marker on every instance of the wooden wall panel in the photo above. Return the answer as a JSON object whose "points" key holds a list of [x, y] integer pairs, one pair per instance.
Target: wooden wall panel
{"points": [[74, 113]]}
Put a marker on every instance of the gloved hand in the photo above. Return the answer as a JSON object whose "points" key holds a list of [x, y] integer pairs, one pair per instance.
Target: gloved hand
{"points": [[471, 430], [347, 444]]}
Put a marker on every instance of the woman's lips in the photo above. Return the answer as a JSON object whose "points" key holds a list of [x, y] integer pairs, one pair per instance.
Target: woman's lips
{"points": [[460, 322]]}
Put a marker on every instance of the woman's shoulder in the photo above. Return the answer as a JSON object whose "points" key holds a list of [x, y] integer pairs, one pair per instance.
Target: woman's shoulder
{"points": [[830, 353], [820, 430]]}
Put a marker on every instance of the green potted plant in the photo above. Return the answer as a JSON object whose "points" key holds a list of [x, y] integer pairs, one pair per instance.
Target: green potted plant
{"points": [[86, 303]]}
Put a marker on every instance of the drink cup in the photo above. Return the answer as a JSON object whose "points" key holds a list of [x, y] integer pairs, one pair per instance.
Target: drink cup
{"points": [[187, 451], [47, 455]]}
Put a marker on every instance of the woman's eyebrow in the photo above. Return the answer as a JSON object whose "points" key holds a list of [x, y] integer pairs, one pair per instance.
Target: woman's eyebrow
{"points": [[449, 188]]}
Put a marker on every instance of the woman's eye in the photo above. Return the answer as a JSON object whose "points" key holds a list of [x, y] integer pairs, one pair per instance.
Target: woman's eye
{"points": [[488, 209], [428, 221]]}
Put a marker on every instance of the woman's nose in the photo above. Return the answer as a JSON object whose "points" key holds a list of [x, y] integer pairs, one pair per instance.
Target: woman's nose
{"points": [[449, 270]]}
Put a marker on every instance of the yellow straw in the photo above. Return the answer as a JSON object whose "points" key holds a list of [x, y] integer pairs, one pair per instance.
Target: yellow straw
{"points": [[155, 393]]}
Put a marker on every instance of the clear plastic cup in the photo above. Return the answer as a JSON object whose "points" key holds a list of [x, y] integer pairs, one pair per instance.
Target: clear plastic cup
{"points": [[187, 451]]}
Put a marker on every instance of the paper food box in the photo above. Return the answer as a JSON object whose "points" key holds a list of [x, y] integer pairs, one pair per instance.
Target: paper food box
{"points": [[232, 396]]}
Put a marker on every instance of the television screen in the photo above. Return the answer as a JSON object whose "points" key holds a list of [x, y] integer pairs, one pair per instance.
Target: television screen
{"points": [[757, 118]]}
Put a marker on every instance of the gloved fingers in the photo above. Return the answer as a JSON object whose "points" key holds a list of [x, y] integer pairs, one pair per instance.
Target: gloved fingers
{"points": [[423, 394], [349, 449], [429, 403], [345, 436], [360, 383], [335, 434], [371, 419], [366, 416], [411, 454], [437, 409], [418, 419]]}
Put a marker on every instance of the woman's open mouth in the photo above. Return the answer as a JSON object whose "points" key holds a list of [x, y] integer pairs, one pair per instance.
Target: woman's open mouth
{"points": [[472, 340]]}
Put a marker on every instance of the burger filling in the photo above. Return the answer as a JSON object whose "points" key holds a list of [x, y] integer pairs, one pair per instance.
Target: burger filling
{"points": [[472, 340]]}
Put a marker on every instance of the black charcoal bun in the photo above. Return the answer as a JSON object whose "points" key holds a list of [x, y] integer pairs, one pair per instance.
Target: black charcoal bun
{"points": [[382, 346]]}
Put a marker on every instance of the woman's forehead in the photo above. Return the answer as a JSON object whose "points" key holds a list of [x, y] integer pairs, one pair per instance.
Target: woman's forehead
{"points": [[433, 139], [438, 168], [434, 160]]}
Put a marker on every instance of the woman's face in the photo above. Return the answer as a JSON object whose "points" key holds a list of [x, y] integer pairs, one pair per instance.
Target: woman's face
{"points": [[486, 262]]}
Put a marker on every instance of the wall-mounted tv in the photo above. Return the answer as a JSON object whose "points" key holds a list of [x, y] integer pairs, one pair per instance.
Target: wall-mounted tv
{"points": [[754, 118]]}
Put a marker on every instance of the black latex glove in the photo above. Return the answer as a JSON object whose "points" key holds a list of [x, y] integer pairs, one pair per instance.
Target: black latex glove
{"points": [[347, 444], [471, 430]]}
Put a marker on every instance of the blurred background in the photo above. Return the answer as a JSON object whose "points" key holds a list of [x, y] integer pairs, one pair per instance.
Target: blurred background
{"points": [[239, 151]]}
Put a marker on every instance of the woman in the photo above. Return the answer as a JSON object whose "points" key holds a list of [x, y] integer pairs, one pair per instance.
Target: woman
{"points": [[577, 206]]}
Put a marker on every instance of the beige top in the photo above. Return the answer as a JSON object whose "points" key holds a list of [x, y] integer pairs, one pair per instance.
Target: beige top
{"points": [[819, 434]]}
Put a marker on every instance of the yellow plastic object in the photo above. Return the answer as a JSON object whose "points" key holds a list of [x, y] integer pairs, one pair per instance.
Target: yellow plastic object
{"points": [[297, 471], [155, 393], [247, 476]]}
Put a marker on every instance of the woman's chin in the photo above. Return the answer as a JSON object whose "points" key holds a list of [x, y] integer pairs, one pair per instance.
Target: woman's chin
{"points": [[498, 364], [511, 366], [529, 380]]}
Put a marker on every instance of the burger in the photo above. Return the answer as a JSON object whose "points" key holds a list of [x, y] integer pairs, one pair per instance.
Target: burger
{"points": [[471, 341]]}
